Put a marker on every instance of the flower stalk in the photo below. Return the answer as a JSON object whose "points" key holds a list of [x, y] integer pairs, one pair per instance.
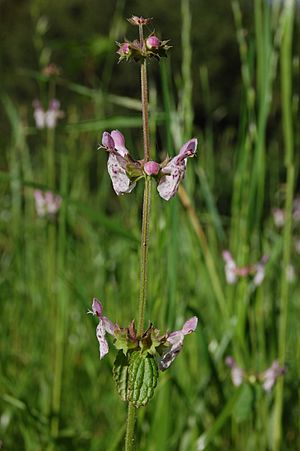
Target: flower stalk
{"points": [[131, 414]]}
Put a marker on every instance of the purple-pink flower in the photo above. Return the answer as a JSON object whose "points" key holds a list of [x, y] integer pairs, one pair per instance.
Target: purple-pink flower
{"points": [[174, 171], [175, 339], [124, 171], [104, 326], [47, 119], [114, 144], [46, 203]]}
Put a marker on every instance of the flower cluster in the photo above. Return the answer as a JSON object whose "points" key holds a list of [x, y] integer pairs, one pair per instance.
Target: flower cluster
{"points": [[46, 203], [266, 378], [124, 171], [48, 118], [165, 348], [233, 272], [139, 50]]}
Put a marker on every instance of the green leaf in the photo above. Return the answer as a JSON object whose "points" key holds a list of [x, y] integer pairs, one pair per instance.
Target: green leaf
{"points": [[120, 374], [136, 376]]}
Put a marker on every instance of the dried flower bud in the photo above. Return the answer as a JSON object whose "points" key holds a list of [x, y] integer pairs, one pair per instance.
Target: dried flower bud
{"points": [[152, 42], [135, 20], [151, 168], [51, 70]]}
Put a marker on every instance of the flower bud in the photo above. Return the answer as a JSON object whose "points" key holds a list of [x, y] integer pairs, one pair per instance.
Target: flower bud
{"points": [[151, 168], [124, 49], [152, 42]]}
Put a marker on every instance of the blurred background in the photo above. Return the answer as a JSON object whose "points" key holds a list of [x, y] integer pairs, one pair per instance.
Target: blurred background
{"points": [[232, 81]]}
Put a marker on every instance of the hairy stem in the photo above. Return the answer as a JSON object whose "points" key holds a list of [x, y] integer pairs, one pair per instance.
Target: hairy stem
{"points": [[129, 439]]}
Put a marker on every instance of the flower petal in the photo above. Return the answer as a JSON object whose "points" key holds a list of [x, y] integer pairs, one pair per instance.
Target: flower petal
{"points": [[117, 171], [107, 141], [190, 325], [176, 340], [100, 334], [119, 141], [108, 325], [188, 149], [97, 308], [169, 183]]}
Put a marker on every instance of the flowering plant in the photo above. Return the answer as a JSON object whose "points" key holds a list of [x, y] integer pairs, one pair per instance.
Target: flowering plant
{"points": [[142, 352]]}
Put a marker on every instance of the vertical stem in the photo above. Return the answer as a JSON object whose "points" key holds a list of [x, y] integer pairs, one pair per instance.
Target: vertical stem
{"points": [[129, 439], [144, 254], [144, 95], [286, 93]]}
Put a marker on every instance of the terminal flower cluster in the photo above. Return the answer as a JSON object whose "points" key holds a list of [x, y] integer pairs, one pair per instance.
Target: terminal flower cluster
{"points": [[138, 50], [125, 171], [266, 378], [165, 348], [233, 272]]}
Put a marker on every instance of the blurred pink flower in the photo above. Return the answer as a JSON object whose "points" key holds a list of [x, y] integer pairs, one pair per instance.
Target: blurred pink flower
{"points": [[232, 271], [47, 119], [279, 217], [270, 375], [175, 339], [237, 373], [46, 203], [104, 326]]}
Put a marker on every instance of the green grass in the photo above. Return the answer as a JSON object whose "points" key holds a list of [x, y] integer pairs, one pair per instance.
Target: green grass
{"points": [[54, 391]]}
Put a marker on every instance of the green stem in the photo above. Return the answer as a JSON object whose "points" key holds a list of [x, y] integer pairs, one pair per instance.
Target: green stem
{"points": [[144, 255], [286, 92], [129, 439]]}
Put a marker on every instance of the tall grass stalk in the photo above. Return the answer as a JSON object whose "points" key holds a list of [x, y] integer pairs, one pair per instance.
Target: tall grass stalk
{"points": [[288, 134]]}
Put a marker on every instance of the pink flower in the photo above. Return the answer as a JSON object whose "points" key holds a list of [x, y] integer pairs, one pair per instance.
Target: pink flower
{"points": [[270, 375], [46, 203], [237, 373], [47, 119], [279, 217], [259, 270], [174, 171], [230, 267], [175, 339], [152, 42], [114, 143], [104, 326]]}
